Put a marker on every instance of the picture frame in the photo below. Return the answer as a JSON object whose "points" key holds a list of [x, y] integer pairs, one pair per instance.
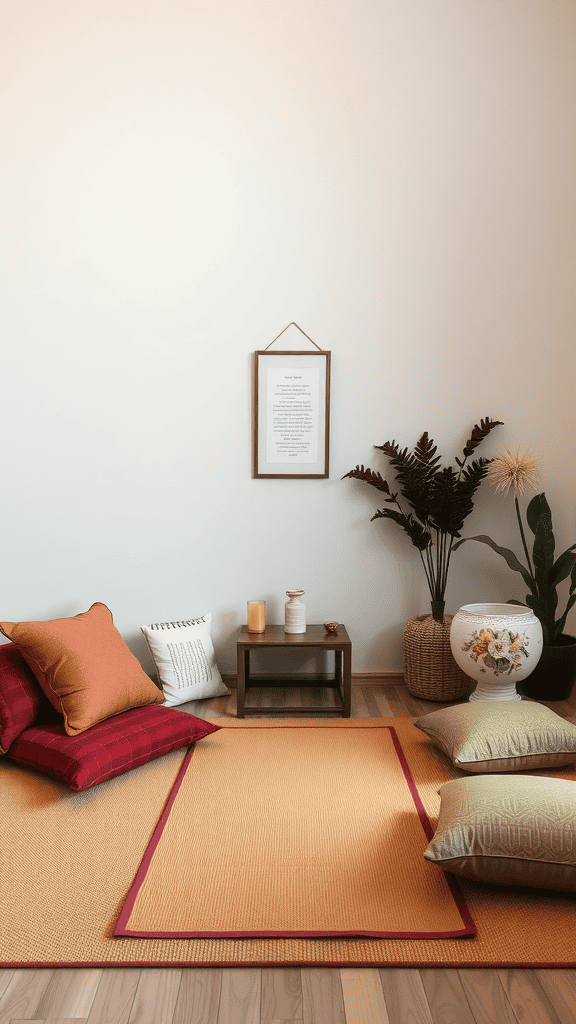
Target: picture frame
{"points": [[291, 414]]}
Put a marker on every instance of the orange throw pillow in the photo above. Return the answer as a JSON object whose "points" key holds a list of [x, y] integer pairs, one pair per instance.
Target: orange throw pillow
{"points": [[84, 667]]}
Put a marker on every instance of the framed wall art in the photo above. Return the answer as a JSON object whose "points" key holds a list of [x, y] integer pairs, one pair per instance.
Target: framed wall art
{"points": [[291, 413]]}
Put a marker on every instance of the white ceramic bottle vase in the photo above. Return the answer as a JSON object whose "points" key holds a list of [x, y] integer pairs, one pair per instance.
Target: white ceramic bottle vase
{"points": [[294, 613]]}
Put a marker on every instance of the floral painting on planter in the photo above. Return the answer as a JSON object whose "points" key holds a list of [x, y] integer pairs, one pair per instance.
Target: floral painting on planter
{"points": [[500, 650]]}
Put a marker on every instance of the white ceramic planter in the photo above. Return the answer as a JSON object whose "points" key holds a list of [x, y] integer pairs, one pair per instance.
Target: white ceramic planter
{"points": [[497, 645]]}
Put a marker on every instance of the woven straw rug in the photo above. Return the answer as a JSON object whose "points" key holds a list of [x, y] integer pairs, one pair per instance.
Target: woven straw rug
{"points": [[314, 833], [69, 860]]}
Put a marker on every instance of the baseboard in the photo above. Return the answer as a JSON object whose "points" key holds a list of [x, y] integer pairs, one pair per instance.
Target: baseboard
{"points": [[378, 678], [358, 678]]}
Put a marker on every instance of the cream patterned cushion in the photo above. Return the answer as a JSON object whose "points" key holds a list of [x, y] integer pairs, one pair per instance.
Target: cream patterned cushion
{"points": [[501, 736], [508, 830], [184, 656]]}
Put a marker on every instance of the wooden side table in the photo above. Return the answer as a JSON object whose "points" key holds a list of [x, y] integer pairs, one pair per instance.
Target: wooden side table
{"points": [[274, 637]]}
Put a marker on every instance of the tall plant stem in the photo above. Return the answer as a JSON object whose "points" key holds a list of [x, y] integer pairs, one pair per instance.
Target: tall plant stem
{"points": [[445, 562], [430, 560], [426, 562], [443, 558], [530, 570], [448, 561], [428, 579]]}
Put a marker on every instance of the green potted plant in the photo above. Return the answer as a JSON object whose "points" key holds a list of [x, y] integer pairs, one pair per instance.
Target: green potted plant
{"points": [[439, 499], [555, 673]]}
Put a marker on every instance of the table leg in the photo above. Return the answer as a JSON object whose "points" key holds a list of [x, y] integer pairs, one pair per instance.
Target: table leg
{"points": [[243, 665], [345, 666]]}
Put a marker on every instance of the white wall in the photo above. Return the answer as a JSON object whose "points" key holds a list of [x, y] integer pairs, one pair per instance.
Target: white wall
{"points": [[181, 180]]}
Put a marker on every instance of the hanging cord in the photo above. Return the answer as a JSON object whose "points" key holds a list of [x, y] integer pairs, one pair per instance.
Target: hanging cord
{"points": [[293, 324]]}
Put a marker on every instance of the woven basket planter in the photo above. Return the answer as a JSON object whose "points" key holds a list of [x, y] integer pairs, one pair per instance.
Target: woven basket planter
{"points": [[430, 671]]}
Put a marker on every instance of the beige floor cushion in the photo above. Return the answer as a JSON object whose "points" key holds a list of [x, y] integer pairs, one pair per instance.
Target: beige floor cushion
{"points": [[508, 830], [501, 736]]}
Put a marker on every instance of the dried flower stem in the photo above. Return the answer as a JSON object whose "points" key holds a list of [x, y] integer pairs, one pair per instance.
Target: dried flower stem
{"points": [[530, 569]]}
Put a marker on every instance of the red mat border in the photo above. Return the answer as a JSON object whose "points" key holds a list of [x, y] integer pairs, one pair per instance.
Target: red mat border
{"points": [[121, 929]]}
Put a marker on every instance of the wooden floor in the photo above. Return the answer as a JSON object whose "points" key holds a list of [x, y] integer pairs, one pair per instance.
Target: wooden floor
{"points": [[294, 995]]}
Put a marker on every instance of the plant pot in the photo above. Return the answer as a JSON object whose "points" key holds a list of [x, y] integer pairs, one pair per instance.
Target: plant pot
{"points": [[555, 673], [498, 645], [430, 671]]}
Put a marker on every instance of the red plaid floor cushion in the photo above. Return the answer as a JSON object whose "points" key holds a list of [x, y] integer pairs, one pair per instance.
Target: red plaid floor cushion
{"points": [[21, 699], [109, 748]]}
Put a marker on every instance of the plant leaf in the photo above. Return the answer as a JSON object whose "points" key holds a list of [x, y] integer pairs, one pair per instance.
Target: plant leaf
{"points": [[560, 624], [414, 472], [539, 606], [398, 457], [537, 507], [507, 555], [562, 567], [442, 502], [451, 497], [369, 477], [425, 450], [462, 501], [479, 433], [549, 597], [543, 549], [419, 536]]}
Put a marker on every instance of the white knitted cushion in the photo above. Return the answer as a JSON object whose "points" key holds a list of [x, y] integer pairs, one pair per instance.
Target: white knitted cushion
{"points": [[184, 657]]}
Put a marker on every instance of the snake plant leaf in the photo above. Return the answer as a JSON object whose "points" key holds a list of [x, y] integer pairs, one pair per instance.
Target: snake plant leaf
{"points": [[543, 549], [561, 622], [537, 508], [507, 555], [543, 580], [544, 610], [537, 604], [549, 595], [563, 566]]}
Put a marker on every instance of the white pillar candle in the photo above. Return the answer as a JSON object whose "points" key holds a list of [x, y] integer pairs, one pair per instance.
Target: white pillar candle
{"points": [[256, 616]]}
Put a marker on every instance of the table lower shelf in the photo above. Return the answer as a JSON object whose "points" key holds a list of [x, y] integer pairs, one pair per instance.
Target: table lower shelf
{"points": [[322, 682], [299, 709]]}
